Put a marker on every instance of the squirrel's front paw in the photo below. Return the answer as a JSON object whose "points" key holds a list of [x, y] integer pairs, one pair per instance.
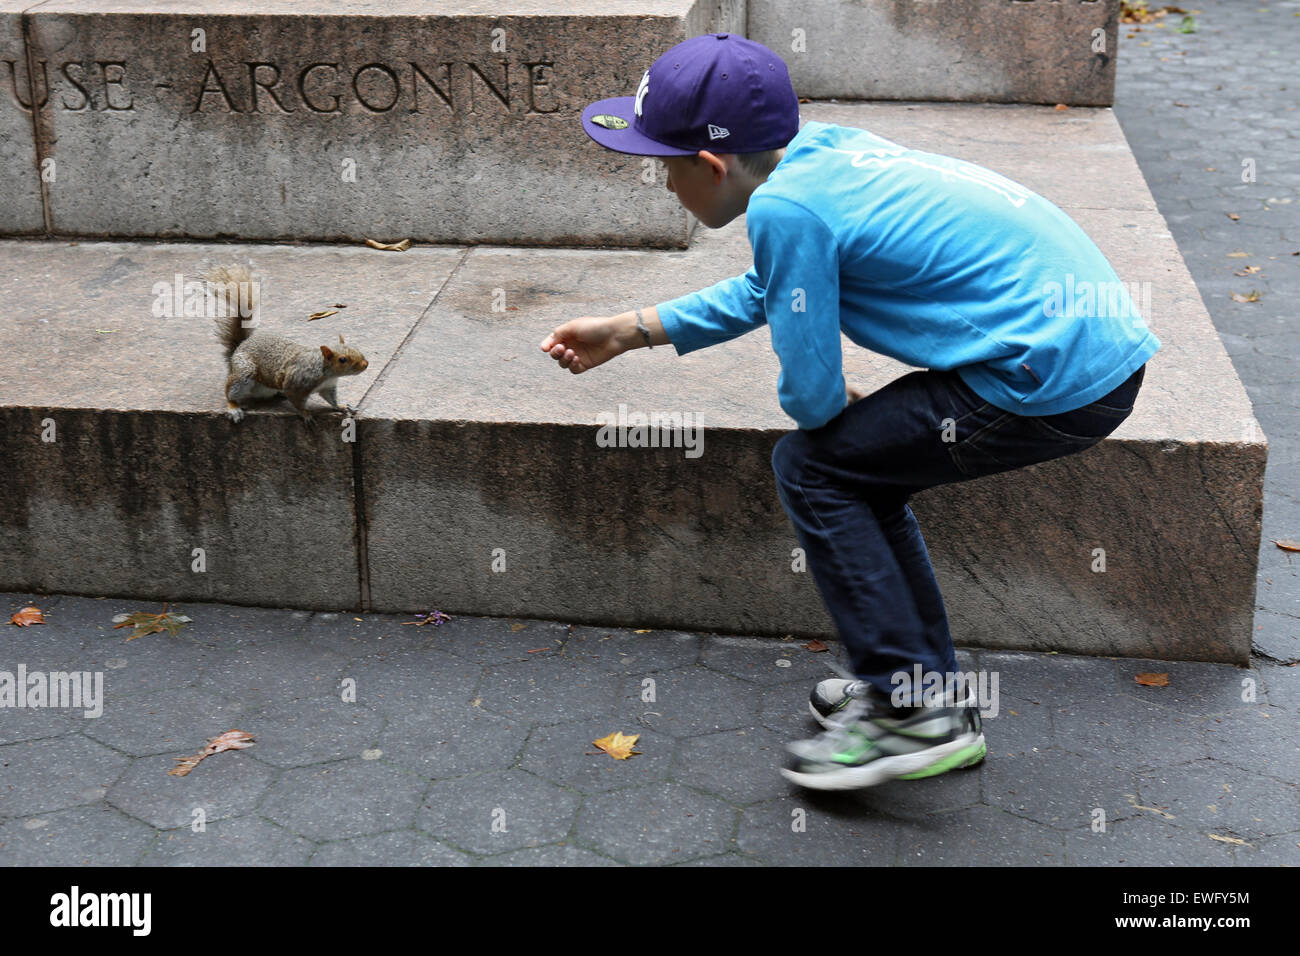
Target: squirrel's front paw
{"points": [[236, 414]]}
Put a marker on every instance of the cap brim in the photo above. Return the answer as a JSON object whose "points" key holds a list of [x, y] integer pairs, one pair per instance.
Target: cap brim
{"points": [[626, 140]]}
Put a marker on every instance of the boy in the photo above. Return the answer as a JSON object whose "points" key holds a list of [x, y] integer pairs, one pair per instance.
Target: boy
{"points": [[935, 262]]}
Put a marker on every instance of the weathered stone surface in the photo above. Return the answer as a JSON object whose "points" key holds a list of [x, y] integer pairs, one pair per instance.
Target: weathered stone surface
{"points": [[482, 487], [145, 467], [998, 51], [20, 200], [377, 120]]}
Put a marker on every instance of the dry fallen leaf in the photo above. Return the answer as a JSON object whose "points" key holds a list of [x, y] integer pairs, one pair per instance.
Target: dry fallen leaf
{"points": [[1224, 839], [1152, 680], [1238, 255], [1288, 545], [1233, 216], [230, 740], [28, 616], [1060, 106], [518, 626], [143, 623], [816, 647], [433, 617], [1249, 271], [321, 315], [390, 246], [1253, 297], [618, 745], [642, 630]]}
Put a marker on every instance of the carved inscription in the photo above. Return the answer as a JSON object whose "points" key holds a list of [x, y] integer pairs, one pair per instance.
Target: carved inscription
{"points": [[447, 87]]}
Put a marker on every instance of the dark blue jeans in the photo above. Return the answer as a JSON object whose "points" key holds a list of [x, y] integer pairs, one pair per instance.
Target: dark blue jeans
{"points": [[846, 488]]}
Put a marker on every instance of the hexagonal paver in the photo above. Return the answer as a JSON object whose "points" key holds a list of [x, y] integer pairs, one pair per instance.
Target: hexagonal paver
{"points": [[312, 730], [224, 785], [1264, 740], [1020, 726], [412, 680], [346, 799], [1219, 798], [547, 691], [497, 812], [726, 859], [42, 776], [241, 841], [783, 709], [36, 723], [565, 754], [1144, 840], [184, 719], [623, 651], [766, 660], [739, 766], [94, 835], [690, 701], [1055, 680], [146, 664], [274, 673], [1126, 732], [1281, 685], [498, 641], [655, 824], [452, 741], [1283, 850], [396, 848], [550, 856], [980, 836], [1057, 788], [1195, 688], [811, 829], [349, 637], [228, 626], [915, 799]]}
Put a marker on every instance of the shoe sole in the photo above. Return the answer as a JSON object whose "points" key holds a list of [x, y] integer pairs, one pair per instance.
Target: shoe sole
{"points": [[965, 751]]}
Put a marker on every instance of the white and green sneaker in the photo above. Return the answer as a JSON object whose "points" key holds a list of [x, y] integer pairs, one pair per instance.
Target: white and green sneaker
{"points": [[868, 742]]}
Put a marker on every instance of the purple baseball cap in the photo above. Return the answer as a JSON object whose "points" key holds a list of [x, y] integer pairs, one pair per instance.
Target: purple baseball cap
{"points": [[719, 92]]}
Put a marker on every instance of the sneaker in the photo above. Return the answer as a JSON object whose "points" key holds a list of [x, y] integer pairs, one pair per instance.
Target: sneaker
{"points": [[868, 743], [831, 696]]}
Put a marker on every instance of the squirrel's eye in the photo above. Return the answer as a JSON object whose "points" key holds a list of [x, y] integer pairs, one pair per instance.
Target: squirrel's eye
{"points": [[343, 361]]}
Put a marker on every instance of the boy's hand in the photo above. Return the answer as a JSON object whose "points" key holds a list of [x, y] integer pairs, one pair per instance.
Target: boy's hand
{"points": [[580, 344]]}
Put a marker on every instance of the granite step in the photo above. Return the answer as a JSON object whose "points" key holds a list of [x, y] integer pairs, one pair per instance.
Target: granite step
{"points": [[474, 482]]}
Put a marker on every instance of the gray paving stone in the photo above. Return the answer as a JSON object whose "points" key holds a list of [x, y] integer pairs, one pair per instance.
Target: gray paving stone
{"points": [[1195, 688], [412, 680], [1261, 739], [346, 799], [726, 859], [689, 701], [496, 641], [980, 836], [810, 829], [658, 824], [344, 634], [497, 812], [95, 835], [1019, 727], [1145, 840], [1057, 788], [1281, 850], [273, 673], [314, 730], [452, 740], [58, 644], [738, 766], [240, 841], [1281, 685], [623, 651], [1050, 679], [783, 709], [547, 691], [760, 659], [564, 754], [1123, 731], [228, 626], [395, 848], [166, 722], [224, 785], [147, 664], [916, 799], [1219, 798], [36, 723], [42, 776], [559, 855]]}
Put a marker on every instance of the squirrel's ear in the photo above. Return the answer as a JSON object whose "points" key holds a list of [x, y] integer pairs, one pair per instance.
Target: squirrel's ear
{"points": [[341, 342], [325, 351]]}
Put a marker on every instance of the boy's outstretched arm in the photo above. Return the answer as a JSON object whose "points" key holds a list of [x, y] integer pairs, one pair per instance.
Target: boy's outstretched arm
{"points": [[584, 343]]}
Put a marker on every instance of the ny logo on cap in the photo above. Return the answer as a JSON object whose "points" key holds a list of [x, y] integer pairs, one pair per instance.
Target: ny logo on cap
{"points": [[718, 132], [641, 91]]}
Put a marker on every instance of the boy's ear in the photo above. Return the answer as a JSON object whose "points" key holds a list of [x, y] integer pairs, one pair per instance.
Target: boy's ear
{"points": [[325, 351]]}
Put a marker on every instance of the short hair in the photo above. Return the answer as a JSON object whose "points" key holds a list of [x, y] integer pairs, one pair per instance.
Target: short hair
{"points": [[758, 165]]}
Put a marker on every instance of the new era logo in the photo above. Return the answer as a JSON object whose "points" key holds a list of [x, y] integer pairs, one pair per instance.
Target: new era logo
{"points": [[718, 132]]}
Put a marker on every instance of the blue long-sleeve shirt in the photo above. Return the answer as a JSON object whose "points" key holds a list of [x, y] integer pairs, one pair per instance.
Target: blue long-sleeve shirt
{"points": [[928, 259]]}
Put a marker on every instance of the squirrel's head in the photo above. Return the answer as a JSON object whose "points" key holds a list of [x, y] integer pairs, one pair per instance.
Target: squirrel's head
{"points": [[344, 360]]}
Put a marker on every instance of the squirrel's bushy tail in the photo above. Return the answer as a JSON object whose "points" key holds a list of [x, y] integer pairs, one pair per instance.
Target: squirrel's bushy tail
{"points": [[236, 292]]}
